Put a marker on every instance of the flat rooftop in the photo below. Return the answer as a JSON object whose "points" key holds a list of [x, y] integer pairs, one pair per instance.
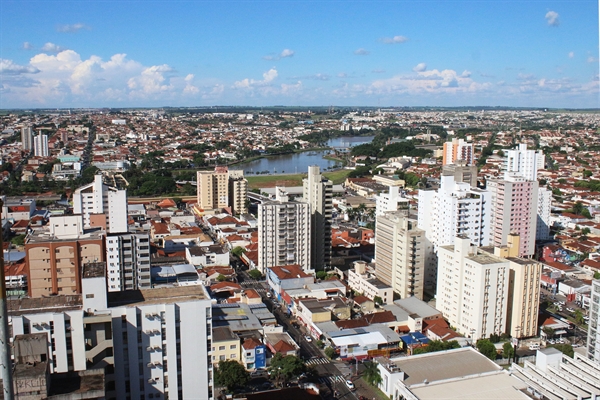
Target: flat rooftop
{"points": [[450, 364], [162, 295], [40, 305]]}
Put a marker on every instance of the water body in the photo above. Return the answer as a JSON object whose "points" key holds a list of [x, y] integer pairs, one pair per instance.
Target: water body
{"points": [[299, 162]]}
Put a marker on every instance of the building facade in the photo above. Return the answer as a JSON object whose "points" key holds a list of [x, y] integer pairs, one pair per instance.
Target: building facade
{"points": [[400, 254], [593, 342], [284, 234], [514, 210], [457, 149], [27, 138], [101, 206], [472, 289], [128, 261], [40, 145], [238, 192], [524, 163], [318, 192], [213, 188]]}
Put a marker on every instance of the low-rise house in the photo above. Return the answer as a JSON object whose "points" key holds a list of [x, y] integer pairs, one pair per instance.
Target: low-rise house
{"points": [[362, 280], [254, 354], [225, 345]]}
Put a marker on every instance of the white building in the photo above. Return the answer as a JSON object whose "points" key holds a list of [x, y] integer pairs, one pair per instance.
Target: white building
{"points": [[284, 236], [318, 192], [593, 343], [128, 261], [400, 254], [524, 163], [472, 289], [40, 145], [542, 231], [362, 281], [102, 205], [391, 201]]}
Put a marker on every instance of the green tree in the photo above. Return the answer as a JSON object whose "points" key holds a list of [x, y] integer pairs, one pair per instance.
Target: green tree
{"points": [[319, 344], [286, 367], [579, 317], [221, 278], [596, 275], [508, 351], [487, 348], [18, 240], [378, 300], [231, 374], [321, 274], [255, 274], [371, 374], [238, 251], [330, 352], [436, 345], [578, 208], [566, 349], [585, 231]]}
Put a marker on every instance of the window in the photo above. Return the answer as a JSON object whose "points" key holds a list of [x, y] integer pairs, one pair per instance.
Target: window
{"points": [[233, 356], [222, 358], [221, 347], [233, 347]]}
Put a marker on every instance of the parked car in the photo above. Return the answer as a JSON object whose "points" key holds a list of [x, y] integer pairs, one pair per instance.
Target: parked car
{"points": [[350, 384], [308, 338], [534, 346]]}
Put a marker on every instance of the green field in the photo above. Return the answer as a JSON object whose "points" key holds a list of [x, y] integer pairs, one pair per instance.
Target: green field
{"points": [[264, 181]]}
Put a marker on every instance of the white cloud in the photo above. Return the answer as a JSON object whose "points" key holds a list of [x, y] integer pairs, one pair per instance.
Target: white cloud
{"points": [[8, 67], [420, 67], [571, 54], [552, 18], [285, 53], [394, 40], [71, 28], [592, 59], [52, 48], [27, 46], [362, 52], [466, 74], [434, 81], [378, 71], [247, 83]]}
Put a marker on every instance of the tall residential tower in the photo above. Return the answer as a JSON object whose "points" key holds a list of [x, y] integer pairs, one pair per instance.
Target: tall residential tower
{"points": [[318, 193]]}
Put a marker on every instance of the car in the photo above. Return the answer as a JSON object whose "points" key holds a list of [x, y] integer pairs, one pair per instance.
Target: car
{"points": [[534, 346], [308, 338], [349, 384], [269, 295], [551, 341]]}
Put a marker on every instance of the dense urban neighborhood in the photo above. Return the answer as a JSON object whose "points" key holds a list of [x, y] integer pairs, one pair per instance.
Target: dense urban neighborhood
{"points": [[334, 253]]}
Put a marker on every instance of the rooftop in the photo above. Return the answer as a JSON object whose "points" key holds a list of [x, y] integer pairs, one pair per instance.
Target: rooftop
{"points": [[156, 296], [44, 304]]}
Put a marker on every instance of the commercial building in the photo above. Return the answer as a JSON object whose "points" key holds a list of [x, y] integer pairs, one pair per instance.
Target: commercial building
{"points": [[56, 257], [101, 206], [318, 193], [472, 289], [128, 261], [213, 188], [284, 233], [593, 343], [400, 254], [457, 150], [514, 210]]}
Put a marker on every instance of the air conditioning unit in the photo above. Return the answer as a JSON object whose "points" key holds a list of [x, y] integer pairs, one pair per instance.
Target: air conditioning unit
{"points": [[152, 381], [157, 348], [157, 363], [149, 316], [149, 365], [149, 348]]}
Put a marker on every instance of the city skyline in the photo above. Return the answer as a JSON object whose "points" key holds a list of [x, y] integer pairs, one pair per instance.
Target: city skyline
{"points": [[428, 53]]}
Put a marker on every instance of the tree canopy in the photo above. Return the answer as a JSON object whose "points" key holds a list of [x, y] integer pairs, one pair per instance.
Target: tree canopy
{"points": [[231, 374], [487, 348], [286, 367], [436, 345]]}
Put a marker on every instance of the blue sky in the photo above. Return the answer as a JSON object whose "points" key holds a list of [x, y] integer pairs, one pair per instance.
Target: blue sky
{"points": [[119, 53]]}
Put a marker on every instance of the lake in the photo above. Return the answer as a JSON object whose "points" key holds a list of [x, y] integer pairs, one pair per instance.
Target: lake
{"points": [[299, 162]]}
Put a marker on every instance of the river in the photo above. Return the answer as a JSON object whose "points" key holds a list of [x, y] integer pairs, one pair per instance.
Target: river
{"points": [[299, 162]]}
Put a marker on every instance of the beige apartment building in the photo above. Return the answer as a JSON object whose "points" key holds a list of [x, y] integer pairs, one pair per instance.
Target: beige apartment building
{"points": [[213, 188], [400, 254], [226, 345], [55, 258], [238, 192]]}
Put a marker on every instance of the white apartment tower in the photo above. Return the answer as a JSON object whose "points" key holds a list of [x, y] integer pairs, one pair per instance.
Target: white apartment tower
{"points": [[400, 254], [128, 261], [523, 162], [318, 193], [101, 206], [542, 231], [390, 201], [514, 211], [472, 289], [593, 343], [213, 188], [40, 145], [238, 192], [27, 138], [284, 233]]}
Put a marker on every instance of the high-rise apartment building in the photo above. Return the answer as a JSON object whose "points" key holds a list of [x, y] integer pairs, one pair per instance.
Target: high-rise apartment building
{"points": [[457, 149], [593, 342], [514, 210], [400, 254], [213, 188], [318, 193], [284, 236], [462, 172], [472, 289], [27, 138], [390, 201], [542, 231], [55, 258], [128, 261], [238, 192], [40, 145], [524, 163], [523, 290], [101, 206]]}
